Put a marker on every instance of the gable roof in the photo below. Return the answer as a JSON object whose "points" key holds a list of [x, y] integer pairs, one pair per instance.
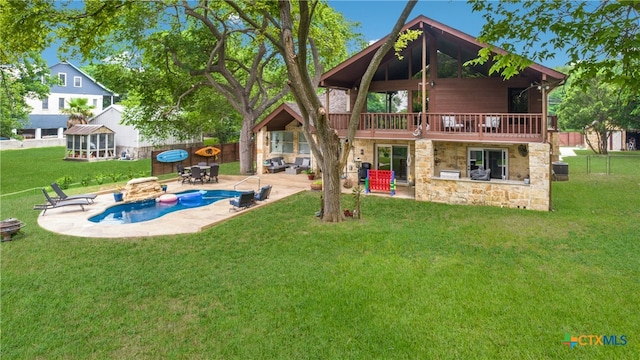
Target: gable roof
{"points": [[348, 74], [88, 130], [104, 88], [279, 118]]}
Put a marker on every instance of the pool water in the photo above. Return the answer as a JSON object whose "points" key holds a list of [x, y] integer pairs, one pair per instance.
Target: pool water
{"points": [[136, 212]]}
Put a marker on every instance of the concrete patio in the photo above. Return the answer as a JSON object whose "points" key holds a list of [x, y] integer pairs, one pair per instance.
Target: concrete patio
{"points": [[74, 222]]}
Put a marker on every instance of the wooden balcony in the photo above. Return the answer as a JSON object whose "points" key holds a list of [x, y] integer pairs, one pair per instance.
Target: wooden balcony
{"points": [[502, 127]]}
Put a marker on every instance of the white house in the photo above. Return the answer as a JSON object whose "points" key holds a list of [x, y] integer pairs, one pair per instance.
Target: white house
{"points": [[46, 118], [128, 139]]}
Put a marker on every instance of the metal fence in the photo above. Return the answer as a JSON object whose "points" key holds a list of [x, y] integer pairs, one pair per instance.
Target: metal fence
{"points": [[613, 164]]}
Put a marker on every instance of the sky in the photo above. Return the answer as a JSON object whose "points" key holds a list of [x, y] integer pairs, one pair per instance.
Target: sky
{"points": [[377, 18]]}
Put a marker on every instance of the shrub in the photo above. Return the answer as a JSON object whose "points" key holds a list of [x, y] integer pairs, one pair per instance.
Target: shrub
{"points": [[64, 182]]}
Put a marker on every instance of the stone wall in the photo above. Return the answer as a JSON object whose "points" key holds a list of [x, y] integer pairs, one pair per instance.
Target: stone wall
{"points": [[142, 189], [512, 192]]}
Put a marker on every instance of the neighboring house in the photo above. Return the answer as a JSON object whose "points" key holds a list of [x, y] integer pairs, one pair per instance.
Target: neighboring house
{"points": [[46, 118], [446, 120], [128, 138], [617, 139]]}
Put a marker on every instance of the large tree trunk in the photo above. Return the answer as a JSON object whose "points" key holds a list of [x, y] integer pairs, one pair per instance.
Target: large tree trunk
{"points": [[246, 145], [331, 179]]}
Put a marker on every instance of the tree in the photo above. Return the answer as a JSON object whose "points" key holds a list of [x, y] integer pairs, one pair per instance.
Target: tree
{"points": [[600, 38], [296, 42], [599, 107], [17, 82], [191, 46], [25, 32], [79, 111]]}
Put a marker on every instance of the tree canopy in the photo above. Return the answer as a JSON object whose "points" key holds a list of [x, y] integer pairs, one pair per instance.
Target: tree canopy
{"points": [[599, 37], [184, 55]]}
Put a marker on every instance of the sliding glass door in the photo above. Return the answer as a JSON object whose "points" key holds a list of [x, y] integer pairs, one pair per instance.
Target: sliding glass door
{"points": [[494, 159], [393, 157]]}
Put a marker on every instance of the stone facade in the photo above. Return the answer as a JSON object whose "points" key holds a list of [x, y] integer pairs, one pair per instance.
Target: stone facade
{"points": [[263, 147], [512, 192], [142, 189]]}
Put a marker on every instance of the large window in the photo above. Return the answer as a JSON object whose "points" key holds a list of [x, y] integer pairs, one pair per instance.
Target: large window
{"points": [[282, 142], [494, 159], [303, 145], [518, 100]]}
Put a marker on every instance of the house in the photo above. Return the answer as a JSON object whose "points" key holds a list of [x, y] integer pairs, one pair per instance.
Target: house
{"points": [[128, 139], [46, 117], [441, 120]]}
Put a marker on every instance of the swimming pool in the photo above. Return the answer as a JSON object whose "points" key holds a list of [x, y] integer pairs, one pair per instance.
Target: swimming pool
{"points": [[136, 212]]}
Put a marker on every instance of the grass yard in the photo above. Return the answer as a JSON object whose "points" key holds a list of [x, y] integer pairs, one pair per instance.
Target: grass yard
{"points": [[410, 280]]}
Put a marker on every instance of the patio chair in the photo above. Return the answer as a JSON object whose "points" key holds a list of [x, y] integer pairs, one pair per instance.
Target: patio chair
{"points": [[263, 194], [480, 174], [213, 173], [62, 196], [184, 176], [52, 203], [196, 175], [491, 123], [449, 123], [245, 200]]}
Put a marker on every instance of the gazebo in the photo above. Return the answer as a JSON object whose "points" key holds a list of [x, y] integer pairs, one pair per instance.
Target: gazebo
{"points": [[90, 142]]}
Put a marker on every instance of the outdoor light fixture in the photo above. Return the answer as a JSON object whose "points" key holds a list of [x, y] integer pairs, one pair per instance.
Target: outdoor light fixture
{"points": [[361, 151], [433, 83], [358, 163]]}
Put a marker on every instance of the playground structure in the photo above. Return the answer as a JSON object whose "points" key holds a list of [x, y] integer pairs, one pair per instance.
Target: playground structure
{"points": [[380, 180]]}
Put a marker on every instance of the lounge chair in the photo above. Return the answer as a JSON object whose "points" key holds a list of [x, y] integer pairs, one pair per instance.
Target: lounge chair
{"points": [[62, 196], [245, 200], [263, 194], [52, 204]]}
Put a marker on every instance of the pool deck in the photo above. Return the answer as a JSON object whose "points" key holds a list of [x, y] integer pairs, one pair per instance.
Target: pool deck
{"points": [[74, 222]]}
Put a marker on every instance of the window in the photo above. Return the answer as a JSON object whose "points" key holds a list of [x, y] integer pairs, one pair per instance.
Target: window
{"points": [[95, 103], [303, 145], [45, 104], [518, 100], [63, 79], [60, 103], [282, 142], [77, 81], [494, 159]]}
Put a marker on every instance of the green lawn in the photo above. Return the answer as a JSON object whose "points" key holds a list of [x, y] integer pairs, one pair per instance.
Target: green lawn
{"points": [[410, 280]]}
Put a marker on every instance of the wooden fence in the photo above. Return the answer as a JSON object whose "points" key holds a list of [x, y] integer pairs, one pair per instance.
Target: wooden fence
{"points": [[572, 139], [228, 153]]}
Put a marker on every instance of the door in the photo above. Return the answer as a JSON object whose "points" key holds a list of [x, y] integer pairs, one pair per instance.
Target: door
{"points": [[393, 157], [497, 163], [494, 159]]}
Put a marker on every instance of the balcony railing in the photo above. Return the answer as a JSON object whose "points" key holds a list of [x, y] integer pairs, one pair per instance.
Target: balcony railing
{"points": [[453, 126]]}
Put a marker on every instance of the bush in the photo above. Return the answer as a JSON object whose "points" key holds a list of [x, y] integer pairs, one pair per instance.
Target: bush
{"points": [[64, 182]]}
